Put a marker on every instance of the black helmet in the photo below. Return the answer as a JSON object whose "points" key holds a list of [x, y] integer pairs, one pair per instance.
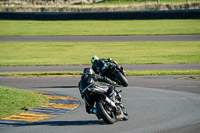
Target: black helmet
{"points": [[87, 71]]}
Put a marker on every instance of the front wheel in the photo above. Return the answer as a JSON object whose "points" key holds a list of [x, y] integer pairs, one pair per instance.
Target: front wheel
{"points": [[121, 78], [106, 112]]}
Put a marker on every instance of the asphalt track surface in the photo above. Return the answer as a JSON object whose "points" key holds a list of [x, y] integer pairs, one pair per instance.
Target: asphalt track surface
{"points": [[99, 38], [152, 103], [156, 104]]}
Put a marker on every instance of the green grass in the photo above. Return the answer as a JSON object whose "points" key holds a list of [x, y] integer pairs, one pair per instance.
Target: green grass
{"points": [[128, 2], [116, 27], [14, 101], [162, 72], [128, 73], [78, 53]]}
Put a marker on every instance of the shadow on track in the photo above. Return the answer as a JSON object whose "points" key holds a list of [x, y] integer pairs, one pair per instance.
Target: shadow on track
{"points": [[59, 123]]}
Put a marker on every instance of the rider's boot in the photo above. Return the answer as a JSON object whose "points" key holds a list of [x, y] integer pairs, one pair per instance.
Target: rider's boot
{"points": [[123, 109], [120, 114], [94, 111]]}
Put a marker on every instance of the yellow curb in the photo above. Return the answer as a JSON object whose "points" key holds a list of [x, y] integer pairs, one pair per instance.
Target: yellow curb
{"points": [[40, 92], [61, 105], [61, 97], [30, 117]]}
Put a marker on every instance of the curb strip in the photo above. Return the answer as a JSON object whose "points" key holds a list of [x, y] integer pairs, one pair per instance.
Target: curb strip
{"points": [[59, 104]]}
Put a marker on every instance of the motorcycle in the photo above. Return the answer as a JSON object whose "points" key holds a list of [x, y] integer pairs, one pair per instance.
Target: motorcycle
{"points": [[110, 109], [116, 73]]}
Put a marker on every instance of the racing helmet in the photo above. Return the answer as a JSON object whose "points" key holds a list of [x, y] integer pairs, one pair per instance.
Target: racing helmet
{"points": [[87, 71], [94, 58]]}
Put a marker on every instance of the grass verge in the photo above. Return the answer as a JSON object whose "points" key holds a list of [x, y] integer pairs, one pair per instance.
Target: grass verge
{"points": [[162, 72], [117, 2], [94, 27], [78, 53], [78, 73], [14, 101]]}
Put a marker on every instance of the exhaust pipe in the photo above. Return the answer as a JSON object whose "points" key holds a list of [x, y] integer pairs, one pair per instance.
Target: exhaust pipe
{"points": [[110, 102]]}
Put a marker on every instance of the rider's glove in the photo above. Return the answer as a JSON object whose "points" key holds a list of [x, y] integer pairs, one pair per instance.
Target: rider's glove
{"points": [[114, 83]]}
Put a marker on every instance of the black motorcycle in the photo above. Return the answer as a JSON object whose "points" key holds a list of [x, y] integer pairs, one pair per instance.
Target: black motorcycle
{"points": [[109, 109], [116, 73]]}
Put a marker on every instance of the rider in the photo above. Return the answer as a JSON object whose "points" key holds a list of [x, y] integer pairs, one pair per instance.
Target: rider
{"points": [[89, 83], [100, 66]]}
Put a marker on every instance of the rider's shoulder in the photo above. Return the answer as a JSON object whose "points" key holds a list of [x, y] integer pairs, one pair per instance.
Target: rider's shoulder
{"points": [[103, 60], [98, 62], [106, 60]]}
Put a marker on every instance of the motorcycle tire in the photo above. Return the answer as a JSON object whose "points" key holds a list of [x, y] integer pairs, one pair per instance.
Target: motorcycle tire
{"points": [[109, 118], [121, 78]]}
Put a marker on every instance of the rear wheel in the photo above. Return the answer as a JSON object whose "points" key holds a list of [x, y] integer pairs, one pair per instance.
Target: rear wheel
{"points": [[122, 79], [106, 112]]}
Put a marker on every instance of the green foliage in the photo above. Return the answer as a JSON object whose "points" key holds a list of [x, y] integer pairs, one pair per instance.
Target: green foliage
{"points": [[14, 101], [117, 27]]}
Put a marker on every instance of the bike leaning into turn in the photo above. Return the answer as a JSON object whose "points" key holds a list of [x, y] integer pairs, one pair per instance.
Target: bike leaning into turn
{"points": [[110, 109], [116, 73], [109, 68], [101, 97]]}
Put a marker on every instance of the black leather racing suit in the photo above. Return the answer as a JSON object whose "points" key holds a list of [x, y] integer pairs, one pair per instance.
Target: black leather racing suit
{"points": [[100, 66], [89, 81]]}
